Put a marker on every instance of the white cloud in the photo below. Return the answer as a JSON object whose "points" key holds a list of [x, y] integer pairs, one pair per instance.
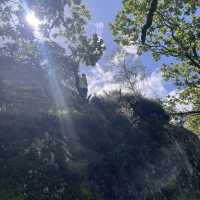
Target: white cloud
{"points": [[152, 86], [122, 53], [101, 81], [131, 50], [180, 107], [118, 57]]}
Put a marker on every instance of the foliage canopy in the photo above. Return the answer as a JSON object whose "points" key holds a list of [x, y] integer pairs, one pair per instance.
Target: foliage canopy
{"points": [[61, 22], [174, 32]]}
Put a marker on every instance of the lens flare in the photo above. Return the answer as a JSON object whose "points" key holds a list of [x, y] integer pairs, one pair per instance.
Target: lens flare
{"points": [[33, 20]]}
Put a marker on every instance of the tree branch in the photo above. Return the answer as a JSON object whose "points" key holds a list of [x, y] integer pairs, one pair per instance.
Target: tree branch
{"points": [[149, 19], [186, 113], [193, 58]]}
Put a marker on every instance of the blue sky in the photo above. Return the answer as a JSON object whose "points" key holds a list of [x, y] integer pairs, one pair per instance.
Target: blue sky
{"points": [[103, 13]]}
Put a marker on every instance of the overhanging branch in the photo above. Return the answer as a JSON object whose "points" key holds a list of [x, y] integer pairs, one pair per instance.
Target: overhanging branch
{"points": [[149, 19], [182, 114]]}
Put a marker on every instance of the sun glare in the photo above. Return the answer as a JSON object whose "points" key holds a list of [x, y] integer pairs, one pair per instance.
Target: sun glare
{"points": [[33, 20]]}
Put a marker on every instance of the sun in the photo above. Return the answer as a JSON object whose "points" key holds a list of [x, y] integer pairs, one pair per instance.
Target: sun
{"points": [[33, 20]]}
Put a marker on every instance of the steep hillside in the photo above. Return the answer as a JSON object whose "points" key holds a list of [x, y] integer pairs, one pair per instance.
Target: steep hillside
{"points": [[107, 149]]}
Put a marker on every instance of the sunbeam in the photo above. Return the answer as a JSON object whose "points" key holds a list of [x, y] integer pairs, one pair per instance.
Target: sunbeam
{"points": [[33, 20], [66, 123]]}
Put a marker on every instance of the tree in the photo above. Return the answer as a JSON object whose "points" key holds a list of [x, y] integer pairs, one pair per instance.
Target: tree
{"points": [[192, 123], [166, 28], [59, 21], [127, 71]]}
